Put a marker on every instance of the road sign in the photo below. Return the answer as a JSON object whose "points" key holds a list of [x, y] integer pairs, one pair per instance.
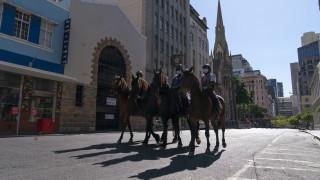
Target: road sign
{"points": [[111, 101], [14, 110]]}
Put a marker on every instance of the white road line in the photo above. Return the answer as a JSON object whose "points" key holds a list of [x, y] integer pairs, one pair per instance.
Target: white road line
{"points": [[304, 151], [287, 154], [307, 163], [284, 168], [242, 170]]}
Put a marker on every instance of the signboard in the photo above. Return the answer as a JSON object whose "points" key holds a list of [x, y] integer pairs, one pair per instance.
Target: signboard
{"points": [[14, 110], [65, 45], [109, 116], [34, 112], [111, 101]]}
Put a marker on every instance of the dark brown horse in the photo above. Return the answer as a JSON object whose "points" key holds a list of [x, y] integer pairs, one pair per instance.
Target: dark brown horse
{"points": [[167, 106], [141, 93], [201, 108], [128, 106]]}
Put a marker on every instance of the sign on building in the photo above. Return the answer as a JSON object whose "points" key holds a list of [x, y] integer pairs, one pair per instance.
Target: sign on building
{"points": [[65, 46], [111, 101]]}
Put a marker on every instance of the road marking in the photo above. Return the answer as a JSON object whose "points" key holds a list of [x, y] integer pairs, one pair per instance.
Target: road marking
{"points": [[307, 163], [242, 170], [284, 168], [287, 154], [304, 151]]}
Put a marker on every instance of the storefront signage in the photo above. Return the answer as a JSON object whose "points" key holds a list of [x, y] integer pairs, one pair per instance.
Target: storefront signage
{"points": [[14, 110], [65, 45], [111, 101], [34, 112], [109, 116]]}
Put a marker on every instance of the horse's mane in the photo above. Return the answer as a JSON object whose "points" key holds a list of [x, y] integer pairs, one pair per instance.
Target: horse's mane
{"points": [[144, 85], [123, 84], [197, 80]]}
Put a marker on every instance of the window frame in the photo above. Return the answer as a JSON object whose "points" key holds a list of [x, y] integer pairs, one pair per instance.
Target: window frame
{"points": [[1, 12], [17, 19], [46, 31]]}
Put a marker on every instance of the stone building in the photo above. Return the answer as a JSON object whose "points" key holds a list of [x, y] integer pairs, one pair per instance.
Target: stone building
{"points": [[198, 41], [315, 94], [103, 42], [222, 68]]}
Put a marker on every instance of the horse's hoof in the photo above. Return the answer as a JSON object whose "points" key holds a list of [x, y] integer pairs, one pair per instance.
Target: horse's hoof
{"points": [[179, 146], [191, 154], [144, 144], [174, 141], [224, 145], [198, 141], [119, 141], [162, 148], [130, 141], [207, 152]]}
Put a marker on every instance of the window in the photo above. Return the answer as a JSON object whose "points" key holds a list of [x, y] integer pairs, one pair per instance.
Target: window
{"points": [[79, 95], [155, 42], [161, 3], [184, 22], [166, 6], [9, 95], [167, 49], [161, 23], [176, 34], [166, 25], [46, 32], [199, 42], [199, 58], [191, 36], [156, 1], [155, 19], [177, 18], [21, 25], [172, 50], [43, 99], [161, 45], [171, 30], [155, 64], [171, 11]]}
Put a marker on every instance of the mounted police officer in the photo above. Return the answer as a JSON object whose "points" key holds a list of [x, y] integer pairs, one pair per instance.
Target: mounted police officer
{"points": [[175, 85], [208, 81]]}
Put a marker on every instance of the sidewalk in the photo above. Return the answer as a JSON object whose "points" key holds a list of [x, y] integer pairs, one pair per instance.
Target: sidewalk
{"points": [[315, 133]]}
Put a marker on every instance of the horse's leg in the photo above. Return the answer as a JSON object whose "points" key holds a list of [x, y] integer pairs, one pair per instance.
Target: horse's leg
{"points": [[198, 140], [197, 131], [165, 133], [175, 122], [223, 127], [155, 135], [146, 139], [131, 134], [215, 127], [123, 129], [206, 121], [193, 136]]}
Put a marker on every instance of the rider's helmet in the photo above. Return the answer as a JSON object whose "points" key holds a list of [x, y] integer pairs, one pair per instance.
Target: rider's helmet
{"points": [[206, 66], [139, 74]]}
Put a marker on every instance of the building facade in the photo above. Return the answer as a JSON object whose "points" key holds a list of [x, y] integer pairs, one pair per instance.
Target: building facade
{"points": [[279, 89], [273, 83], [222, 68], [240, 65], [294, 67], [107, 44], [315, 94], [31, 63], [285, 106], [258, 84], [165, 23], [309, 37], [199, 44]]}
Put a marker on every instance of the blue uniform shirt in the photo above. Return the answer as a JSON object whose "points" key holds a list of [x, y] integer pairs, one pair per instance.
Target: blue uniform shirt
{"points": [[176, 81], [206, 79]]}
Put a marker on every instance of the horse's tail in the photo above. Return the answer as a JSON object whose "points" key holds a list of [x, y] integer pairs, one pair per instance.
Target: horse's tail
{"points": [[222, 112]]}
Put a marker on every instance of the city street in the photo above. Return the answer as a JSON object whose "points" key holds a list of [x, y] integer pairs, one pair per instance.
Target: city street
{"points": [[250, 154]]}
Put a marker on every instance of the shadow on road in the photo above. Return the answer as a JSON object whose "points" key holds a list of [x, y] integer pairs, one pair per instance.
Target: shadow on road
{"points": [[179, 159]]}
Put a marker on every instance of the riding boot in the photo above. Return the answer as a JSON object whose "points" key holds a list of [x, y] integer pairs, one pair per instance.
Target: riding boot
{"points": [[215, 103]]}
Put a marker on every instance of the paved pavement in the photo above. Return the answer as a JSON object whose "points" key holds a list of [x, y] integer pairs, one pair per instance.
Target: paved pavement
{"points": [[315, 133], [250, 154]]}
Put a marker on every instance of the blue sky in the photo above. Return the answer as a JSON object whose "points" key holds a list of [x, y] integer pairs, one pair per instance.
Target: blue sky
{"points": [[266, 32]]}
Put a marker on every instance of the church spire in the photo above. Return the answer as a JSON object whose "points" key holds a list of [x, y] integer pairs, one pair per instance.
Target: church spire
{"points": [[220, 42]]}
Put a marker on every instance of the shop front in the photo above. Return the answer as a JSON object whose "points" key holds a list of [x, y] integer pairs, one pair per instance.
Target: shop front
{"points": [[26, 99]]}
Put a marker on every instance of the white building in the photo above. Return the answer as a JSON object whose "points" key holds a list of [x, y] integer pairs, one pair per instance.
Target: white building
{"points": [[309, 37]]}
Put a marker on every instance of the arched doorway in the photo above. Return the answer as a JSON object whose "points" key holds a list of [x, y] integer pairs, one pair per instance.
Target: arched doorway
{"points": [[111, 62]]}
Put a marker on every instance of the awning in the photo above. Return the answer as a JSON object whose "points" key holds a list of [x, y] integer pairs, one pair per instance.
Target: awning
{"points": [[24, 70]]}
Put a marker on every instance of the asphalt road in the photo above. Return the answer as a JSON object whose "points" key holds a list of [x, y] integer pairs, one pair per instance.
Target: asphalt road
{"points": [[250, 154]]}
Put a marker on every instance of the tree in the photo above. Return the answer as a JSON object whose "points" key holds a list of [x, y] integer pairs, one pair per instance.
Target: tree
{"points": [[242, 94], [294, 121], [318, 109], [281, 121]]}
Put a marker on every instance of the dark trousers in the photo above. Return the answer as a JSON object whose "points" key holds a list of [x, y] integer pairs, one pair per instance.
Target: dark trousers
{"points": [[214, 99]]}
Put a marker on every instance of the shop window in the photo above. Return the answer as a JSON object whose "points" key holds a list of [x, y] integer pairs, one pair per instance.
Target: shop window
{"points": [[79, 96], [43, 99], [9, 95]]}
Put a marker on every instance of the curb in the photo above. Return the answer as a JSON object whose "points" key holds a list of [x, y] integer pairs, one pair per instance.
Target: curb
{"points": [[314, 136]]}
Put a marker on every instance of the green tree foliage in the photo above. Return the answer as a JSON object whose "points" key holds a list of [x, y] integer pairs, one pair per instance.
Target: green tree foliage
{"points": [[307, 116], [294, 121], [281, 121], [318, 109], [242, 94]]}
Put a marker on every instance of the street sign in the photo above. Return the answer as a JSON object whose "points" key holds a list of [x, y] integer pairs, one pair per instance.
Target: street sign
{"points": [[111, 101], [14, 110], [109, 116]]}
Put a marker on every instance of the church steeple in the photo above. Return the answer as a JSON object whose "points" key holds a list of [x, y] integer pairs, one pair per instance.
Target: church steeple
{"points": [[220, 46]]}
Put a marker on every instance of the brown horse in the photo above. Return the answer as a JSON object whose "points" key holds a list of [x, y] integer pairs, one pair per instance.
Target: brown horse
{"points": [[201, 108], [147, 102], [127, 107], [167, 106]]}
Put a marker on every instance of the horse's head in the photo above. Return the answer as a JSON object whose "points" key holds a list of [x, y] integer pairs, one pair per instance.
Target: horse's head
{"points": [[188, 80], [159, 80], [118, 84], [138, 87]]}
